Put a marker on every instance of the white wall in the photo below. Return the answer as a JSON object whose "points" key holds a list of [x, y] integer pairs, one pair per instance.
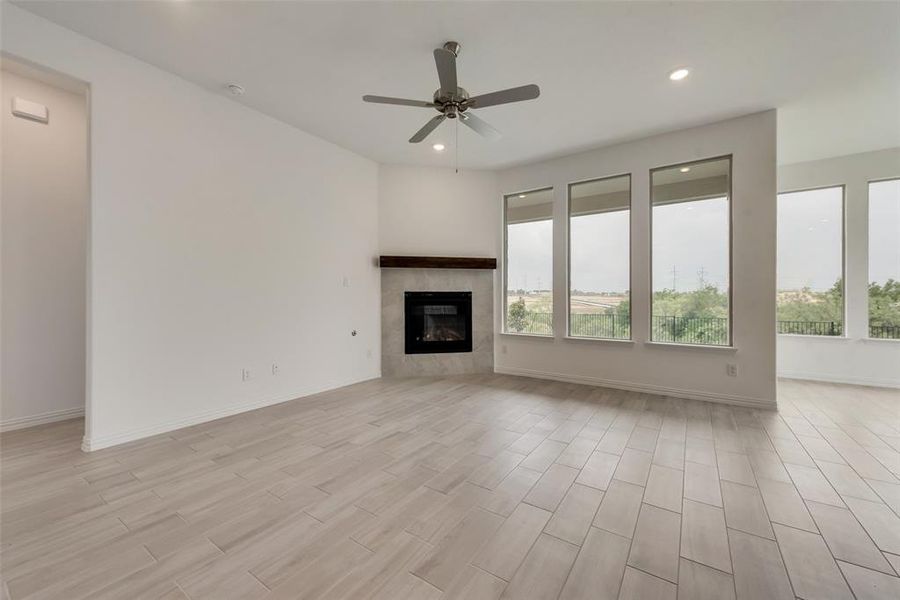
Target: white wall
{"points": [[851, 359], [219, 241], [413, 199], [675, 370], [44, 203], [438, 212]]}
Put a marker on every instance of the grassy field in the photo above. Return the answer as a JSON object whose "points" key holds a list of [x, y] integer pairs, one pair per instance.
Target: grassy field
{"points": [[542, 302]]}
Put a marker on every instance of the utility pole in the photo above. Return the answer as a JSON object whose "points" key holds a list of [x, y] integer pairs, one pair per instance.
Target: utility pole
{"points": [[674, 278], [701, 275]]}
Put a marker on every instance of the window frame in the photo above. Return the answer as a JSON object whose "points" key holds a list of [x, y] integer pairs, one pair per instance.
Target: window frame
{"points": [[569, 187], [504, 329], [844, 322], [649, 316], [868, 335]]}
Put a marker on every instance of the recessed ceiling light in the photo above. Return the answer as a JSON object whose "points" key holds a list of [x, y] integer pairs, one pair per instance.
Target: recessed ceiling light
{"points": [[521, 195], [679, 74], [438, 147], [684, 169]]}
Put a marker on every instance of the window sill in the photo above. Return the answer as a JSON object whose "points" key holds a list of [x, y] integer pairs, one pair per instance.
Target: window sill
{"points": [[577, 338], [838, 338], [539, 336], [800, 336], [692, 346]]}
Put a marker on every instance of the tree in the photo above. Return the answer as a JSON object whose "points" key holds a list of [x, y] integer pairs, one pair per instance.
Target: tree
{"points": [[700, 315], [517, 317], [884, 304], [704, 303], [808, 306], [622, 316]]}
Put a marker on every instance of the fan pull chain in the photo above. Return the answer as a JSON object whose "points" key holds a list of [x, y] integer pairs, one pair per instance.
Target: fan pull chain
{"points": [[456, 146]]}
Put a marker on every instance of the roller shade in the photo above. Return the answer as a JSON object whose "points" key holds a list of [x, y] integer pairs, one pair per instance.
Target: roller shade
{"points": [[688, 183], [534, 206], [600, 196], [690, 191]]}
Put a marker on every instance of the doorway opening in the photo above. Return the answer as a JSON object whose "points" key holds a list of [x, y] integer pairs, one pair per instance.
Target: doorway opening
{"points": [[44, 225]]}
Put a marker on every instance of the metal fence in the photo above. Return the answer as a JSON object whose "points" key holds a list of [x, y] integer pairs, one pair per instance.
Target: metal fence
{"points": [[689, 330], [600, 325], [683, 330], [811, 327], [534, 323], [884, 332]]}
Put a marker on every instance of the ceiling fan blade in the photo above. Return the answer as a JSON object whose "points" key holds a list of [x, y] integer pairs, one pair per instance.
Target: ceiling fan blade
{"points": [[429, 127], [446, 68], [479, 126], [516, 94], [400, 101]]}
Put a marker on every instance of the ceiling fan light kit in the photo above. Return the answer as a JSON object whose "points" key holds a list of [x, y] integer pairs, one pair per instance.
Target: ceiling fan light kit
{"points": [[453, 102]]}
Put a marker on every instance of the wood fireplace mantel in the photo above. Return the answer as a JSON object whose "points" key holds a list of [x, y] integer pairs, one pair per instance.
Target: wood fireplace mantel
{"points": [[436, 262]]}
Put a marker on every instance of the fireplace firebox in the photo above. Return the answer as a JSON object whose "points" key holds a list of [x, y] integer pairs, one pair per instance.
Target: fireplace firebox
{"points": [[438, 322]]}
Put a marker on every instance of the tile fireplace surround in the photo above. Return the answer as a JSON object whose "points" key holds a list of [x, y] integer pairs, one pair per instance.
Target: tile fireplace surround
{"points": [[396, 281]]}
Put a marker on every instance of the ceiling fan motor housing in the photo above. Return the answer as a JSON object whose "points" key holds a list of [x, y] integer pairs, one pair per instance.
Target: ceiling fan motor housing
{"points": [[452, 47], [452, 104]]}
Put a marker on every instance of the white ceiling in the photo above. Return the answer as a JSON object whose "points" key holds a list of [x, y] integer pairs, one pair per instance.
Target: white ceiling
{"points": [[832, 68]]}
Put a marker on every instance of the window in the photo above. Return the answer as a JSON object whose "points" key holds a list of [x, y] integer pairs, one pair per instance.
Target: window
{"points": [[529, 262], [810, 296], [691, 253], [884, 259], [599, 258]]}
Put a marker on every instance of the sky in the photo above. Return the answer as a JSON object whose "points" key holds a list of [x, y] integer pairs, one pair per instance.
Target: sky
{"points": [[692, 239], [690, 244], [600, 252], [884, 231], [529, 254], [809, 239]]}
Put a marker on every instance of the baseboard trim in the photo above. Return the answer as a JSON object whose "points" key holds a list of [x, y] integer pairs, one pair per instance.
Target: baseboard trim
{"points": [[641, 387], [867, 381], [100, 442], [42, 419]]}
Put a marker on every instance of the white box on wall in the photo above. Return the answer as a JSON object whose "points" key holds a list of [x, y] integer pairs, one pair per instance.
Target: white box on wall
{"points": [[28, 109]]}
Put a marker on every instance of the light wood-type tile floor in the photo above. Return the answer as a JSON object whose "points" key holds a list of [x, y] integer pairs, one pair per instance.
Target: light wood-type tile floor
{"points": [[470, 488]]}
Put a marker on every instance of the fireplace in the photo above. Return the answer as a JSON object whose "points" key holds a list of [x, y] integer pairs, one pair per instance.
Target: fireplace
{"points": [[438, 322]]}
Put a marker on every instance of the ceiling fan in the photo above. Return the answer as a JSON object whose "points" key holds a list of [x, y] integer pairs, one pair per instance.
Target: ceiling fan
{"points": [[452, 101]]}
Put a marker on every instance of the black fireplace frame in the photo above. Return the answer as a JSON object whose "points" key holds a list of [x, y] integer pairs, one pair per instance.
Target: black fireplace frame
{"points": [[463, 302]]}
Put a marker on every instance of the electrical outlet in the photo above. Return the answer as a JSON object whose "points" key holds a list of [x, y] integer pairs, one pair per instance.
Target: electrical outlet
{"points": [[731, 370], [503, 349], [245, 374], [369, 353], [346, 281], [275, 368]]}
